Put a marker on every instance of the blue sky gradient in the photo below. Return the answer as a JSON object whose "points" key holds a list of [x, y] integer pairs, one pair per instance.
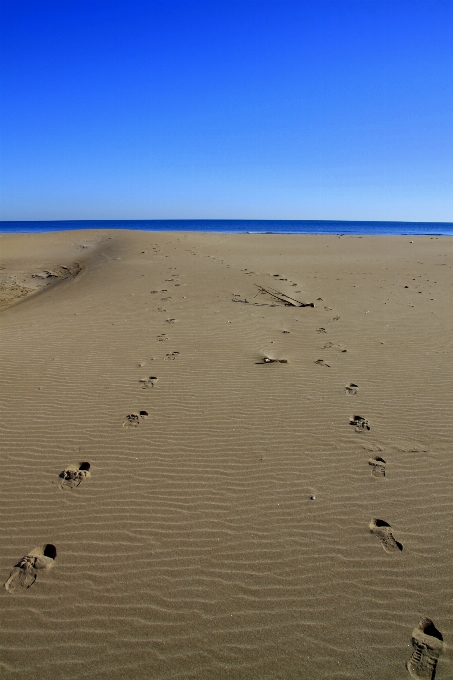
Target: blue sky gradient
{"points": [[176, 109]]}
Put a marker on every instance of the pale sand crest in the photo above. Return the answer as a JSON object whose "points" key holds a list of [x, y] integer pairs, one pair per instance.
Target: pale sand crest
{"points": [[224, 530]]}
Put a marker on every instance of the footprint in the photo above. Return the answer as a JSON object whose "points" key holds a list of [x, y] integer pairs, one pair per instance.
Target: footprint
{"points": [[321, 330], [321, 362], [427, 642], [359, 423], [148, 382], [171, 356], [162, 337], [351, 388], [377, 466], [73, 475], [384, 533], [134, 419], [328, 345], [25, 571]]}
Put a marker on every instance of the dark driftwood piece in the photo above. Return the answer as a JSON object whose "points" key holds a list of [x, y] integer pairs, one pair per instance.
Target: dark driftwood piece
{"points": [[266, 360], [281, 297]]}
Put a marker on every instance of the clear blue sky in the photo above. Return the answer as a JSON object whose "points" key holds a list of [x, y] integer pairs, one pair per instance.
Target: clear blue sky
{"points": [[261, 109]]}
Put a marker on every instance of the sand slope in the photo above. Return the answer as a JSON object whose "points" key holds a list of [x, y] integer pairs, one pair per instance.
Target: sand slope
{"points": [[227, 534]]}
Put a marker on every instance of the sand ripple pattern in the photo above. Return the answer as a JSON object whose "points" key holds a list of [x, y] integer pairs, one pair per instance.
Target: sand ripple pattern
{"points": [[194, 549]]}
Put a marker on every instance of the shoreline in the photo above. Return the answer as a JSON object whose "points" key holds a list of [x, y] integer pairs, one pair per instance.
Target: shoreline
{"points": [[279, 227]]}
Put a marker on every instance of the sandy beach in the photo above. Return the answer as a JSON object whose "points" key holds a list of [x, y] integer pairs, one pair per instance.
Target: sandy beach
{"points": [[226, 484]]}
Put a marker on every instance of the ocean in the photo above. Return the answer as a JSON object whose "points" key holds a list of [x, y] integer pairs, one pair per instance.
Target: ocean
{"points": [[242, 226]]}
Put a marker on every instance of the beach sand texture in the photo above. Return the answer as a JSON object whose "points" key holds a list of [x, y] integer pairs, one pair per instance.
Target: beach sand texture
{"points": [[216, 515]]}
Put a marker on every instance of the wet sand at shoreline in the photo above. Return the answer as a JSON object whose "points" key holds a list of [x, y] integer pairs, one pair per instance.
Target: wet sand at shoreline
{"points": [[236, 486]]}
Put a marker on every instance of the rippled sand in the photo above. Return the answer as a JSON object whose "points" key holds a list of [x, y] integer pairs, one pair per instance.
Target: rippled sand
{"points": [[239, 518]]}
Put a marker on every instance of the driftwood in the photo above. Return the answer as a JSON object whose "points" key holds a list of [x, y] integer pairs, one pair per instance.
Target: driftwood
{"points": [[281, 297], [266, 360]]}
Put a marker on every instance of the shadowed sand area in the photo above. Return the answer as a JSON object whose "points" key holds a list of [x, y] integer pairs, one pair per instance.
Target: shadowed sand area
{"points": [[224, 531]]}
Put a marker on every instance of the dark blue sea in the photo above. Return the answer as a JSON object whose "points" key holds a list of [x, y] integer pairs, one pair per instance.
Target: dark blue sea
{"points": [[243, 226]]}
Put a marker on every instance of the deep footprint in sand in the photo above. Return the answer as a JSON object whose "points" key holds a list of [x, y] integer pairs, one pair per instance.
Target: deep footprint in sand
{"points": [[384, 533], [321, 362], [427, 642], [359, 423], [134, 419], [26, 570], [148, 382], [377, 466], [351, 388], [73, 475]]}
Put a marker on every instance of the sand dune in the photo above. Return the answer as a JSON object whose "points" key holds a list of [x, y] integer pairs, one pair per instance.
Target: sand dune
{"points": [[235, 487]]}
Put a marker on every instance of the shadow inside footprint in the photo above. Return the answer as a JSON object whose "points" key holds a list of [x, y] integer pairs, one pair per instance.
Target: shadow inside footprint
{"points": [[377, 466], [73, 475], [427, 642], [321, 362], [384, 533], [359, 423], [134, 419], [24, 573], [351, 388]]}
